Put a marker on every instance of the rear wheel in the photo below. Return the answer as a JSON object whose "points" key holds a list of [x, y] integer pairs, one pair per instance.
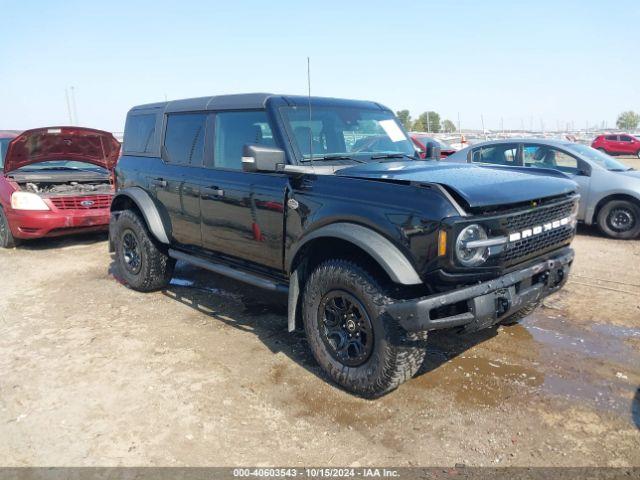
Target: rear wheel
{"points": [[620, 219], [141, 264], [638, 153], [7, 239], [354, 340]]}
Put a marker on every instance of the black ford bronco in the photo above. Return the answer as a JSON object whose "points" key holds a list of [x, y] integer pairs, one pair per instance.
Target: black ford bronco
{"points": [[328, 200]]}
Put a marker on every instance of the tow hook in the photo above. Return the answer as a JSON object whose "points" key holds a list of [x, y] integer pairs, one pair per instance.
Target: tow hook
{"points": [[502, 306]]}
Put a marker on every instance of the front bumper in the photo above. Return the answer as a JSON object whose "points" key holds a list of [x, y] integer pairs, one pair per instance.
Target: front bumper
{"points": [[28, 224], [482, 305]]}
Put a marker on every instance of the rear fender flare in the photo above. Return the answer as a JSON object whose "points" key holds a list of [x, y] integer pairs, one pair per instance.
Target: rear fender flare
{"points": [[148, 209]]}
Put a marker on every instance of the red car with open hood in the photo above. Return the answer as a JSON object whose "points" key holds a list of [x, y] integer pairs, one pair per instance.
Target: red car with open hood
{"points": [[55, 181]]}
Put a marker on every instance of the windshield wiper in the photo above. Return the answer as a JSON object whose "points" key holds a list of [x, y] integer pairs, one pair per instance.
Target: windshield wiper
{"points": [[392, 155], [323, 158]]}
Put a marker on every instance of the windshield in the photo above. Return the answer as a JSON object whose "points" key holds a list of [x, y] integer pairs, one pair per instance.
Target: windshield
{"points": [[61, 165], [4, 144], [346, 132], [596, 156]]}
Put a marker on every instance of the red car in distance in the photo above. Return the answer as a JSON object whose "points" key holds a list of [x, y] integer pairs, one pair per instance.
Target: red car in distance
{"points": [[617, 144], [55, 181], [421, 141]]}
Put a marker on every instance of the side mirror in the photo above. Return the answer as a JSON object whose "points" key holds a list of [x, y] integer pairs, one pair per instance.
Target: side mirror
{"points": [[259, 158], [433, 151]]}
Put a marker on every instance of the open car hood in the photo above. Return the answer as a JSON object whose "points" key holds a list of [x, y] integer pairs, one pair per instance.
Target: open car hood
{"points": [[477, 186], [62, 143]]}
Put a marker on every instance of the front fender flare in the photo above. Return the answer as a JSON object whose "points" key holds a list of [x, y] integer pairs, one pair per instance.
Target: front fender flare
{"points": [[149, 211], [388, 256]]}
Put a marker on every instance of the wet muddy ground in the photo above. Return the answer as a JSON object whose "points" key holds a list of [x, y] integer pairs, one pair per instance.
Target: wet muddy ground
{"points": [[205, 373]]}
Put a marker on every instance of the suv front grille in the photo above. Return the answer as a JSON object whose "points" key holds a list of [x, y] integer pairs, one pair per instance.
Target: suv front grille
{"points": [[520, 250], [87, 202], [538, 216]]}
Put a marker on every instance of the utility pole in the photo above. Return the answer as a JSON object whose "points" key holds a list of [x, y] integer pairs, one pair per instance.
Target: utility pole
{"points": [[73, 103], [428, 121], [66, 94], [484, 132]]}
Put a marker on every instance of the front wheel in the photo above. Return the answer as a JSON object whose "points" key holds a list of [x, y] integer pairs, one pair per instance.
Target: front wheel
{"points": [[141, 264], [351, 336], [620, 219], [7, 239], [638, 154]]}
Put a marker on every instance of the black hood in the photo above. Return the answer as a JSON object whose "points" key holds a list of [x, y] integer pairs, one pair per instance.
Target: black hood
{"points": [[478, 186]]}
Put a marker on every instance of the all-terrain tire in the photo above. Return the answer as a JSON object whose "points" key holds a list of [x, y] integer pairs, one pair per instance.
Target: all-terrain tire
{"points": [[7, 240], [628, 210], [396, 355], [155, 267], [515, 318]]}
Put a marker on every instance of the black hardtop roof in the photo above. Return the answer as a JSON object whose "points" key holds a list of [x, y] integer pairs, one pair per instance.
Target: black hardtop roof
{"points": [[248, 101]]}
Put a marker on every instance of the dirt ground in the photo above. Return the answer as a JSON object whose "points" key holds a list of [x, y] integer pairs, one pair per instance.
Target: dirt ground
{"points": [[205, 373]]}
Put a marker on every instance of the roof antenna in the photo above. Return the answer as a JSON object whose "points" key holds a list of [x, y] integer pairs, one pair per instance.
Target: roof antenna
{"points": [[309, 104]]}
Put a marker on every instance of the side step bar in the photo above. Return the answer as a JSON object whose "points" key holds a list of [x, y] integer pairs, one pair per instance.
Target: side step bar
{"points": [[230, 272]]}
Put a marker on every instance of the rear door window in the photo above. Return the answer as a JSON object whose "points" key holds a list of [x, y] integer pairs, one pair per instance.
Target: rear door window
{"points": [[139, 133], [625, 138], [184, 139]]}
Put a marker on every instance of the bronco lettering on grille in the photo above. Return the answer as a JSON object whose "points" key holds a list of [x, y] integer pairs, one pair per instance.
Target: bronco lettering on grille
{"points": [[538, 229]]}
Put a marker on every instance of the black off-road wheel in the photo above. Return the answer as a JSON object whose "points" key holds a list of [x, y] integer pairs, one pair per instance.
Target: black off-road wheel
{"points": [[142, 265], [515, 318], [7, 240], [360, 346], [620, 219]]}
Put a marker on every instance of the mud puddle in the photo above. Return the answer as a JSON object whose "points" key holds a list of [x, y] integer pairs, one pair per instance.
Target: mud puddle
{"points": [[544, 356], [601, 341]]}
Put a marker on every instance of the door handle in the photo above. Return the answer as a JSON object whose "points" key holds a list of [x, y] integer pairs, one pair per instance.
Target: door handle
{"points": [[159, 182], [215, 191]]}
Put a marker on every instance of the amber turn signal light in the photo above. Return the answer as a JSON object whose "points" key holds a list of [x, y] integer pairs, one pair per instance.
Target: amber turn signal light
{"points": [[442, 243]]}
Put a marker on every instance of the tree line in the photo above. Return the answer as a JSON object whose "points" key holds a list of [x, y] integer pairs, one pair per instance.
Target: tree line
{"points": [[430, 122], [628, 120], [426, 122]]}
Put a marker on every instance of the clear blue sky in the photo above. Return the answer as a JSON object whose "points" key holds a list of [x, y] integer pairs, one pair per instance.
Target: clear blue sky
{"points": [[559, 61]]}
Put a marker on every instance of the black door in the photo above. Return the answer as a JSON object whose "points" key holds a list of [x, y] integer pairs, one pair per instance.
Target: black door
{"points": [[242, 213], [177, 183]]}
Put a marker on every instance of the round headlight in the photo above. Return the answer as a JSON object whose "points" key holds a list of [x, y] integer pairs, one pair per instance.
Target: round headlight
{"points": [[470, 256]]}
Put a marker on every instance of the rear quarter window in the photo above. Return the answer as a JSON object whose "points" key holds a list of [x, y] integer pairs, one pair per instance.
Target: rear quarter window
{"points": [[139, 133]]}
